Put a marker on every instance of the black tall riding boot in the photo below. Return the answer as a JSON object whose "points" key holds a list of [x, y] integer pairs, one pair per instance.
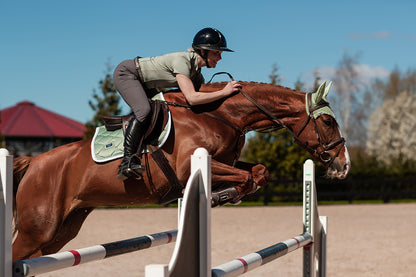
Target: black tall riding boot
{"points": [[131, 165]]}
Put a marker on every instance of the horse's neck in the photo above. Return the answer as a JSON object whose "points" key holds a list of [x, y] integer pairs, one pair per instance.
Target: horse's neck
{"points": [[287, 105]]}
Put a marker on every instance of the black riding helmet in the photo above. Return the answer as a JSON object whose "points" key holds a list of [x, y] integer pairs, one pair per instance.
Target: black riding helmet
{"points": [[209, 39]]}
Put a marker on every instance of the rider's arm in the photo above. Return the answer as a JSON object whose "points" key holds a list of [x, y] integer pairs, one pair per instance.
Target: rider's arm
{"points": [[196, 98]]}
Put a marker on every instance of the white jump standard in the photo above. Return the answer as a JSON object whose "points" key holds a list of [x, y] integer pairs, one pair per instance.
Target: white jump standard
{"points": [[6, 212]]}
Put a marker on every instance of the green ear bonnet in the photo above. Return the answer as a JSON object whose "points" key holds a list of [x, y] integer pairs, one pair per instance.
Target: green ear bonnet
{"points": [[319, 98]]}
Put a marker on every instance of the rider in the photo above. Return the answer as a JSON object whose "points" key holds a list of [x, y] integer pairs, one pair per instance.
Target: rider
{"points": [[134, 78]]}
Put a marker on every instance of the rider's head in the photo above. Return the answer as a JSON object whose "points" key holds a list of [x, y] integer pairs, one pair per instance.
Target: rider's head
{"points": [[209, 39]]}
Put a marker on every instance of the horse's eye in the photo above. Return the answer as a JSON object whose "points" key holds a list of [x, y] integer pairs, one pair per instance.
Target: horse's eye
{"points": [[328, 122]]}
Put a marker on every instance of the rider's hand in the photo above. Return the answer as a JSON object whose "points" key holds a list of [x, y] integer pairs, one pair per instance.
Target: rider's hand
{"points": [[231, 87]]}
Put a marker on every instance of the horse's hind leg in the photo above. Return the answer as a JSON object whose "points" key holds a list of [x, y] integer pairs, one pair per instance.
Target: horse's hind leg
{"points": [[31, 235], [67, 231], [26, 246], [20, 246]]}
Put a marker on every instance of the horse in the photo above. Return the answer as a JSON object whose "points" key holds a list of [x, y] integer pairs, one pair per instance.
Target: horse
{"points": [[56, 191]]}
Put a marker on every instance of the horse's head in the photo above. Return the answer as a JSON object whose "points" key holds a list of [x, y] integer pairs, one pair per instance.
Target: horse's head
{"points": [[320, 135]]}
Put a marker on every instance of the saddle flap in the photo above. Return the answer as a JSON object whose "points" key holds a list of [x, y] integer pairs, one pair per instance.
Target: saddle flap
{"points": [[158, 120], [113, 123]]}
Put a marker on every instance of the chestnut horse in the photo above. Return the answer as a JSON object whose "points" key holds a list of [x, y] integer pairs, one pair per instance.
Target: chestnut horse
{"points": [[55, 191]]}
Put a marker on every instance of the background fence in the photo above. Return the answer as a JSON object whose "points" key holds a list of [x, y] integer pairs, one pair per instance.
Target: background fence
{"points": [[350, 190]]}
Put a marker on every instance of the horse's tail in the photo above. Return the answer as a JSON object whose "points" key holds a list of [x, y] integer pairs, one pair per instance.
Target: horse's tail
{"points": [[20, 165]]}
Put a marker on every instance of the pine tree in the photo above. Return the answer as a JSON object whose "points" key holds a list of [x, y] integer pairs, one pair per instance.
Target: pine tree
{"points": [[104, 103]]}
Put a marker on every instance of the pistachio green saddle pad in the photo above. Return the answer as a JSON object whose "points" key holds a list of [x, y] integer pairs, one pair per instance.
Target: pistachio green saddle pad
{"points": [[108, 145]]}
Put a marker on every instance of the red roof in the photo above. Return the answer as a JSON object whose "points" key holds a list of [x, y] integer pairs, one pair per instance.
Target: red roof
{"points": [[25, 119]]}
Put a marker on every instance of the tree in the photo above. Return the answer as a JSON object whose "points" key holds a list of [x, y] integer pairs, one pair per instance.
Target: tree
{"points": [[104, 104], [278, 152], [299, 85], [393, 121], [397, 83], [353, 101], [392, 130], [317, 81], [274, 76]]}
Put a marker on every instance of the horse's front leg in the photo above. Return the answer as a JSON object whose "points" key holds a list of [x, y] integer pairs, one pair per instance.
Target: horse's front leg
{"points": [[259, 172], [247, 176]]}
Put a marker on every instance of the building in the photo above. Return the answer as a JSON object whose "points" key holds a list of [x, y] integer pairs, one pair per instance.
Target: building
{"points": [[29, 130]]}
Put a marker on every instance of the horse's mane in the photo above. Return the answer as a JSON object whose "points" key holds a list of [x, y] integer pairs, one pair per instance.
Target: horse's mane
{"points": [[244, 84]]}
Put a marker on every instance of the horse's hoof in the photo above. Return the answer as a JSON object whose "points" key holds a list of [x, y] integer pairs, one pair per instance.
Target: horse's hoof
{"points": [[229, 195], [235, 203]]}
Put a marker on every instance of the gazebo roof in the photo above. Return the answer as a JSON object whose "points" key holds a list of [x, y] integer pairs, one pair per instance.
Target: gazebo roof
{"points": [[25, 119]]}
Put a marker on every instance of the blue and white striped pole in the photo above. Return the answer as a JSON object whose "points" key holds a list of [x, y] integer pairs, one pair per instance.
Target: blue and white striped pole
{"points": [[251, 261], [71, 258]]}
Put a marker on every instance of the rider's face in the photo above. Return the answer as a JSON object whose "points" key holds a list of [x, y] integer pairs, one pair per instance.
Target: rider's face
{"points": [[213, 57]]}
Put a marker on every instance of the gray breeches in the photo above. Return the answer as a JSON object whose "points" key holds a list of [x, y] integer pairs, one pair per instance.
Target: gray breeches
{"points": [[126, 81]]}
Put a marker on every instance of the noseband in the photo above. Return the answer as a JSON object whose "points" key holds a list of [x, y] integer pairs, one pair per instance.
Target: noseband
{"points": [[323, 154]]}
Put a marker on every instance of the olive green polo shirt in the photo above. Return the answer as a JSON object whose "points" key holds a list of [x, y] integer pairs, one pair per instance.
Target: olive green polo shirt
{"points": [[160, 71]]}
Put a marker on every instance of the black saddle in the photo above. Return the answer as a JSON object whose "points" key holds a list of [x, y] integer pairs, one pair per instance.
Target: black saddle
{"points": [[158, 120]]}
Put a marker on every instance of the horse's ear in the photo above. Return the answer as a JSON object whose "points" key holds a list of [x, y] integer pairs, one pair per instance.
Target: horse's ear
{"points": [[321, 93], [318, 94], [319, 98], [327, 90]]}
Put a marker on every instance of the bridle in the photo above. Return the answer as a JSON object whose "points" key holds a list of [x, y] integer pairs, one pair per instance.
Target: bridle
{"points": [[323, 154]]}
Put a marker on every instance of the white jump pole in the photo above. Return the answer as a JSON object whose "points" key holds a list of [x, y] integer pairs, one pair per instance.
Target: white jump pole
{"points": [[6, 211]]}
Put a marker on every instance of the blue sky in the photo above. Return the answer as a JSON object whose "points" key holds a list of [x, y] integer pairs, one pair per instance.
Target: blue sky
{"points": [[54, 53]]}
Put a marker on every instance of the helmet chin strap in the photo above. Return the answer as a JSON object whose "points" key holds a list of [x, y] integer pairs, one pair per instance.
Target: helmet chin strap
{"points": [[205, 57]]}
